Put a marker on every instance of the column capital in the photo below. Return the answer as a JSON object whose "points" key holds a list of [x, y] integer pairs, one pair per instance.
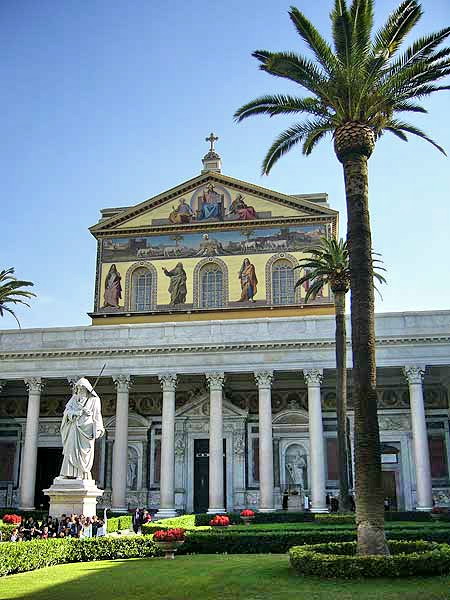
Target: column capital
{"points": [[215, 380], [414, 373], [263, 378], [168, 381], [35, 385], [122, 382], [313, 377]]}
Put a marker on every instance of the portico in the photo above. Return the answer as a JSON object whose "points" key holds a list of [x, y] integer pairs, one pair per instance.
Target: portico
{"points": [[261, 395]]}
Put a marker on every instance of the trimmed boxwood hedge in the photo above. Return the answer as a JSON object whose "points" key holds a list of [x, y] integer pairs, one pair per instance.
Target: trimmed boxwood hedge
{"points": [[275, 517], [248, 541], [16, 557], [340, 560], [119, 523]]}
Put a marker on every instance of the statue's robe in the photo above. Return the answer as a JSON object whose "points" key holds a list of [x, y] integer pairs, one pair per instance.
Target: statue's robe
{"points": [[81, 425]]}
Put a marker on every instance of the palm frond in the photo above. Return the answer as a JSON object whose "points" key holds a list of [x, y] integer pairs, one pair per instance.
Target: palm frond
{"points": [[321, 49], [287, 140], [342, 32], [313, 138], [399, 24], [361, 17], [293, 67], [280, 104], [401, 126], [407, 106]]}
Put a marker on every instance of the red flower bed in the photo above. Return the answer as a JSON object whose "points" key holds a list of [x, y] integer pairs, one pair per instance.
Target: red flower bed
{"points": [[247, 513], [171, 535], [12, 519], [220, 521]]}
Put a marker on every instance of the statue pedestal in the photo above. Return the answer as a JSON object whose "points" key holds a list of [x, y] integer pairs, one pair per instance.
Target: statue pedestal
{"points": [[296, 503], [77, 496]]}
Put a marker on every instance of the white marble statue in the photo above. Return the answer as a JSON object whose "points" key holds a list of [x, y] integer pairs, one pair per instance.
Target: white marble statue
{"points": [[81, 425], [295, 468]]}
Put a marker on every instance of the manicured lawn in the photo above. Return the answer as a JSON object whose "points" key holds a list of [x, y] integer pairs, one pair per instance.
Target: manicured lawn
{"points": [[207, 577]]}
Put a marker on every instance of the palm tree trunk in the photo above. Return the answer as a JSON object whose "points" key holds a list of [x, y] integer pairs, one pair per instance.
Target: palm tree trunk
{"points": [[369, 493], [341, 399]]}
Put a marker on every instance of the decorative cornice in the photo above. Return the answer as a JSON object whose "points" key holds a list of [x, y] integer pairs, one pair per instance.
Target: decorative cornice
{"points": [[414, 374], [122, 382], [202, 348], [215, 381], [313, 377], [264, 379], [208, 226], [35, 385], [168, 382]]}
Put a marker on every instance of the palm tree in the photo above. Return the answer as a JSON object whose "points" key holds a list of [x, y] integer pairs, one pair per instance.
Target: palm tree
{"points": [[328, 265], [356, 90], [11, 292]]}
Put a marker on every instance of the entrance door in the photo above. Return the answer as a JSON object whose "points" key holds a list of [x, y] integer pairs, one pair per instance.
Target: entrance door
{"points": [[201, 475], [390, 488], [48, 466]]}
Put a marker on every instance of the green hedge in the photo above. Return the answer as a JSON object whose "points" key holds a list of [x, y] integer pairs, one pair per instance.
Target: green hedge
{"points": [[275, 517], [407, 515], [340, 560], [246, 541], [119, 523], [16, 557], [185, 522], [6, 529]]}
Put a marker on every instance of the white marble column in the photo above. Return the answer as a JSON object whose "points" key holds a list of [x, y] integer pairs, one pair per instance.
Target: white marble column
{"points": [[424, 497], [264, 381], [29, 459], [216, 488], [313, 378], [167, 501], [120, 447]]}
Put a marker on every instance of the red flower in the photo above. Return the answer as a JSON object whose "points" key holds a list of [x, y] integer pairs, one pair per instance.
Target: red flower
{"points": [[247, 513], [12, 519], [220, 520], [170, 535]]}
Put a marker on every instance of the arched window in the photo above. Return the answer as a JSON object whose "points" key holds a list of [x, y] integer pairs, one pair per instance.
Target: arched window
{"points": [[211, 286], [283, 282], [141, 287]]}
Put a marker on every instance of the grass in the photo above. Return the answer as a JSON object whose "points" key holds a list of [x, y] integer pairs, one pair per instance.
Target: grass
{"points": [[207, 577]]}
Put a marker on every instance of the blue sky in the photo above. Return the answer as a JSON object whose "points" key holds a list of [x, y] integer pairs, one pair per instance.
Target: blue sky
{"points": [[107, 103]]}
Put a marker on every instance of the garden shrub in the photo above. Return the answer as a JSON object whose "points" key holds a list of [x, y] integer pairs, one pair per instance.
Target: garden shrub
{"points": [[407, 515], [119, 523], [335, 519], [340, 560], [17, 557], [185, 522], [275, 517]]}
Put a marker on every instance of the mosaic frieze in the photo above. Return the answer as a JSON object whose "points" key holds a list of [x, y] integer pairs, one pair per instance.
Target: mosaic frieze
{"points": [[222, 243]]}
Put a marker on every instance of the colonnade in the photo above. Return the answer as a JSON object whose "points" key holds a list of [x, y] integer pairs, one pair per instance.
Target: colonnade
{"points": [[215, 380]]}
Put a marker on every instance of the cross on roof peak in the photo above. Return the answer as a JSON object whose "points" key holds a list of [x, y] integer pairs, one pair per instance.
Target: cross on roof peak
{"points": [[211, 139]]}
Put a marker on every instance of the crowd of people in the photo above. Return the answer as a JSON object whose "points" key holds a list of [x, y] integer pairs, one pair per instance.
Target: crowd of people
{"points": [[73, 526]]}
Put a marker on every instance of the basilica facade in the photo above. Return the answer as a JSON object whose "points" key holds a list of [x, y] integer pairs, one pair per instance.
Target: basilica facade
{"points": [[218, 381]]}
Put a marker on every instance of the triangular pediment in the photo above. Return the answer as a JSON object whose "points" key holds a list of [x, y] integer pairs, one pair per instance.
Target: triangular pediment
{"points": [[211, 198], [199, 407]]}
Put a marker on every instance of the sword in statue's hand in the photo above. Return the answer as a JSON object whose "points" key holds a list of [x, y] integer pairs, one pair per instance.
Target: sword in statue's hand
{"points": [[98, 378]]}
